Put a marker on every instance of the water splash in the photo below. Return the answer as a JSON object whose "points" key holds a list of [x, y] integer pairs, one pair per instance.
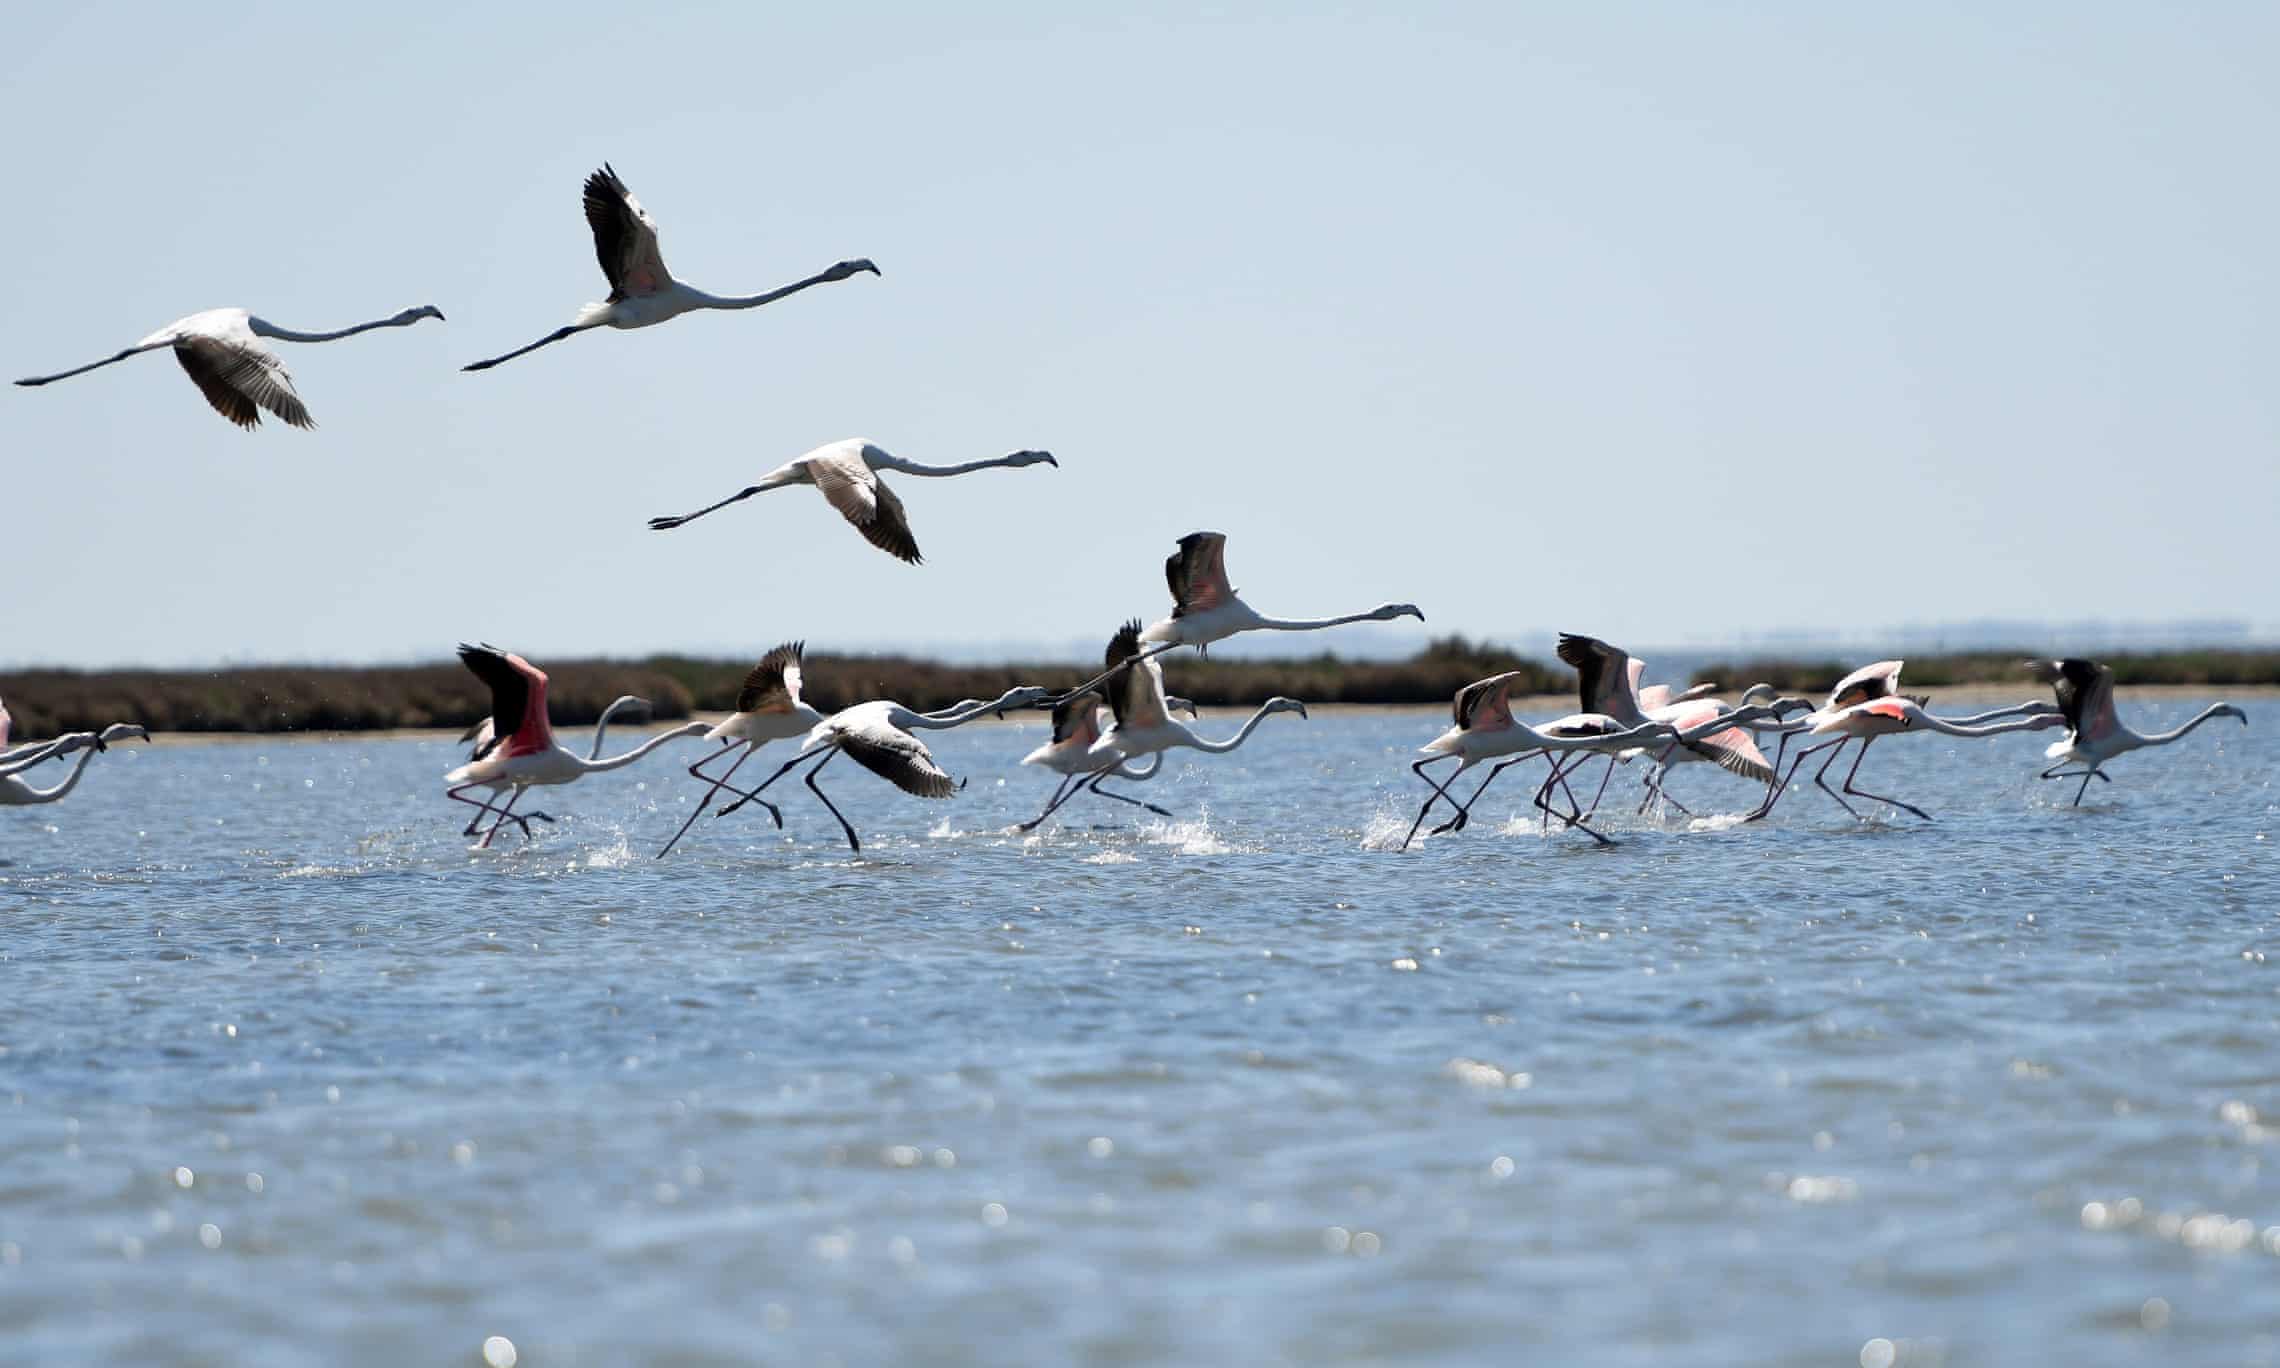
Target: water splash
{"points": [[1191, 837]]}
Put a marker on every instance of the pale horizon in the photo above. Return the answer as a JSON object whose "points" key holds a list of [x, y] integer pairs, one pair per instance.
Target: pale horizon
{"points": [[1676, 327]]}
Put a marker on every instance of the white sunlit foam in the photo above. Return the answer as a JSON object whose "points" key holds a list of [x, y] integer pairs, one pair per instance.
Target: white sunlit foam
{"points": [[1111, 857], [1188, 837], [1386, 828]]}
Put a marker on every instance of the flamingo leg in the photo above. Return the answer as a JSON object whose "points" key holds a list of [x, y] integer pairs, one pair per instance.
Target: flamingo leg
{"points": [[1464, 809], [1571, 817], [1061, 794], [482, 806], [506, 815], [1126, 798], [1775, 790], [1604, 779], [844, 825], [1820, 776], [1864, 793], [2086, 778], [781, 770], [750, 749], [1440, 791]]}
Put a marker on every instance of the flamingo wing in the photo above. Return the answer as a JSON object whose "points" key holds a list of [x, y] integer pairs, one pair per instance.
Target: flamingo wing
{"points": [[1486, 704], [625, 237], [1073, 716], [2098, 701], [1135, 690], [1733, 750], [241, 378], [1880, 680], [1654, 696], [1602, 671], [518, 695], [5, 723], [895, 756], [1197, 573], [865, 501], [774, 684]]}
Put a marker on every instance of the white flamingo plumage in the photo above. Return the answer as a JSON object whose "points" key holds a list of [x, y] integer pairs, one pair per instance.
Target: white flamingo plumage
{"points": [[1079, 721], [768, 708], [2094, 733], [1142, 723], [846, 472], [221, 350], [642, 291]]}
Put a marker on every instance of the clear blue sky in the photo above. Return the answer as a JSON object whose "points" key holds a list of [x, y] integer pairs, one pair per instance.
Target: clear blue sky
{"points": [[1667, 323]]}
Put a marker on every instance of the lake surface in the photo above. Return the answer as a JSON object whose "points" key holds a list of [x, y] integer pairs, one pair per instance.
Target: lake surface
{"points": [[288, 1074]]}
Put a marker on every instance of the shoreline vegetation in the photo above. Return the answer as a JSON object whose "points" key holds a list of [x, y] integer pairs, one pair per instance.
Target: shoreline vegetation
{"points": [[272, 699]]}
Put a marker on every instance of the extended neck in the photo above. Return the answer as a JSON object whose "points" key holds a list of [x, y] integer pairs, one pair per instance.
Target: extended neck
{"points": [[1250, 724], [966, 712], [1962, 728], [264, 328], [70, 782], [2213, 710], [620, 761], [713, 301], [1311, 624], [24, 757], [965, 468], [602, 723]]}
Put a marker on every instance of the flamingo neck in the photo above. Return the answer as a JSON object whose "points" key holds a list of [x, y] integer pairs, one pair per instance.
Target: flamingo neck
{"points": [[264, 328], [952, 717], [699, 299], [1948, 728], [70, 781], [1250, 724], [623, 759], [1310, 624], [2164, 738], [897, 463]]}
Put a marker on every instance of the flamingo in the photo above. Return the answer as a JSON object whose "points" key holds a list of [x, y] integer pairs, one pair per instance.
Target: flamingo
{"points": [[878, 736], [1874, 682], [1732, 749], [531, 757], [1206, 608], [1485, 729], [484, 734], [847, 474], [1142, 720], [2094, 734], [15, 792], [768, 708], [642, 291], [1607, 682], [222, 352], [1077, 724], [1891, 716]]}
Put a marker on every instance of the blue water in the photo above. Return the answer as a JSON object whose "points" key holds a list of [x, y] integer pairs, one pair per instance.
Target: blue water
{"points": [[288, 1074]]}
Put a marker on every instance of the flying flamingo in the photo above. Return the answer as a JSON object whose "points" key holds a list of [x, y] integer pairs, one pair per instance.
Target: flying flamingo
{"points": [[15, 792], [2094, 734], [1732, 749], [1870, 683], [221, 349], [878, 736], [847, 474], [1141, 712], [1891, 716], [1207, 608], [642, 291], [531, 757], [768, 708], [1078, 722]]}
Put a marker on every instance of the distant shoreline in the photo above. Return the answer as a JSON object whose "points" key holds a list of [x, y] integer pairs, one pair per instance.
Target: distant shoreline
{"points": [[442, 699]]}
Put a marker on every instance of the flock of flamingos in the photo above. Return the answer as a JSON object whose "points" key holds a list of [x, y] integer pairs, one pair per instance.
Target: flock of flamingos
{"points": [[1120, 723]]}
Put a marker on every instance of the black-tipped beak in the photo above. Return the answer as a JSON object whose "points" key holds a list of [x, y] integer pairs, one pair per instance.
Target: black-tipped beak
{"points": [[1051, 462], [1302, 710]]}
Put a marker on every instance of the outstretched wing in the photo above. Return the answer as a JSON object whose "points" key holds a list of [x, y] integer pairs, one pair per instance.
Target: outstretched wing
{"points": [[1603, 677], [1070, 715], [1880, 680], [1197, 573], [625, 237], [2085, 691], [1485, 704], [864, 500], [510, 686], [774, 684], [236, 377], [897, 757]]}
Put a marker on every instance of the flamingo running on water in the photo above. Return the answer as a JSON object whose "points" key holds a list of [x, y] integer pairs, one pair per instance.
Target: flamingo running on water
{"points": [[222, 352], [530, 756], [1078, 722], [879, 736], [847, 474], [768, 708], [2094, 734], [642, 291]]}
